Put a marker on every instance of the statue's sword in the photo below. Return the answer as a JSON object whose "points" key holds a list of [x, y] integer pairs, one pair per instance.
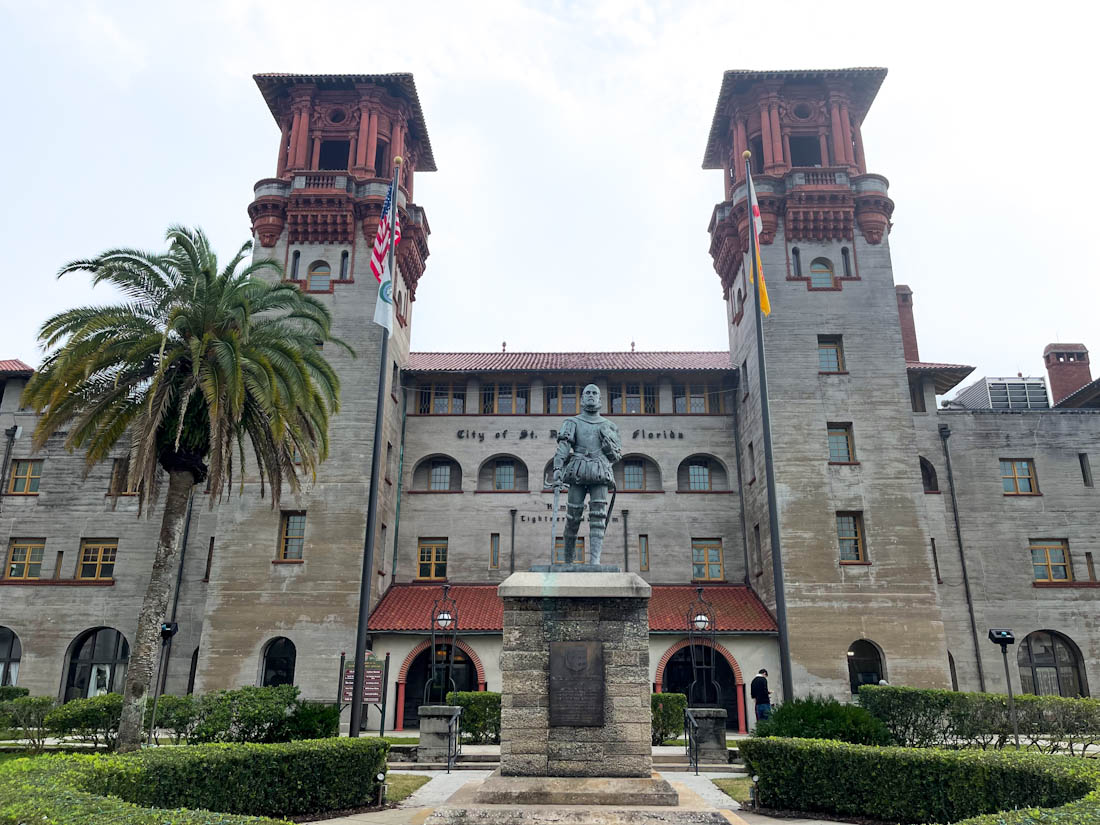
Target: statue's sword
{"points": [[554, 522]]}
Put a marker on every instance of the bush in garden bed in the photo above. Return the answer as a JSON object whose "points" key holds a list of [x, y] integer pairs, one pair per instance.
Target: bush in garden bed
{"points": [[480, 720], [816, 717], [241, 781], [94, 720], [667, 712], [912, 784]]}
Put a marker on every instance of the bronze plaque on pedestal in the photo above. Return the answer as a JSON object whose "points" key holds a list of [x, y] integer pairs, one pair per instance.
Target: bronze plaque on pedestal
{"points": [[576, 684]]}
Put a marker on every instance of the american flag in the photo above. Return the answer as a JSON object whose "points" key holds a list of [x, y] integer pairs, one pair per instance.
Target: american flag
{"points": [[382, 239]]}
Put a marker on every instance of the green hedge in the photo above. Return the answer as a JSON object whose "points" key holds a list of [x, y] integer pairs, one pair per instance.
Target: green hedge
{"points": [[160, 786], [9, 692], [938, 718], [816, 717], [94, 720], [480, 714], [913, 785], [667, 711]]}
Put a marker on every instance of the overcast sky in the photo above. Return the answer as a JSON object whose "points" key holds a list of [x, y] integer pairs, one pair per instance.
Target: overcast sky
{"points": [[569, 139]]}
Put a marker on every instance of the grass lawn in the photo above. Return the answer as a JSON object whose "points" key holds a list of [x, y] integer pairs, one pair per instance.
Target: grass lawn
{"points": [[737, 789], [402, 740], [402, 785]]}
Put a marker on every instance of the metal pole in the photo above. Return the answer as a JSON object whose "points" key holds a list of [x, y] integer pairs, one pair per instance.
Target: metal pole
{"points": [[156, 692], [179, 583], [340, 680], [626, 543], [765, 418], [1011, 699], [361, 629], [385, 694], [512, 550]]}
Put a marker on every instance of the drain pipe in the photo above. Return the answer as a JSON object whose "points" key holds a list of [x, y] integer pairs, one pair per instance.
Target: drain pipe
{"points": [[945, 433], [512, 552], [400, 479], [12, 433], [179, 583], [626, 540]]}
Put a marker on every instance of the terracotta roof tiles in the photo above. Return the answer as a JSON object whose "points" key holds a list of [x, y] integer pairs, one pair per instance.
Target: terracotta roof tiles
{"points": [[13, 367], [566, 361]]}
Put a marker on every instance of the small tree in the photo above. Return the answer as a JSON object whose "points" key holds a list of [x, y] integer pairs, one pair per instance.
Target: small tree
{"points": [[29, 713]]}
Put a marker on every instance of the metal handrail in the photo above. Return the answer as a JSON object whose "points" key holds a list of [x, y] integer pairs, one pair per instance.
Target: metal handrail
{"points": [[691, 733], [454, 738]]}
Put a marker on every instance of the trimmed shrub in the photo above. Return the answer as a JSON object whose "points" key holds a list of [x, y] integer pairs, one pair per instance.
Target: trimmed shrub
{"points": [[248, 714], [910, 785], [9, 692], [29, 713], [94, 720], [929, 718], [313, 720], [240, 781], [175, 714], [824, 718], [667, 710], [480, 715]]}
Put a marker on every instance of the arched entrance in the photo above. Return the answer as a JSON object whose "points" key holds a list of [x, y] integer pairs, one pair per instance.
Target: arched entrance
{"points": [[677, 678], [864, 664], [416, 679], [280, 656], [97, 664], [1050, 665]]}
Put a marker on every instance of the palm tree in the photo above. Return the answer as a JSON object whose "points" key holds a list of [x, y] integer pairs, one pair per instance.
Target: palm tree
{"points": [[194, 367]]}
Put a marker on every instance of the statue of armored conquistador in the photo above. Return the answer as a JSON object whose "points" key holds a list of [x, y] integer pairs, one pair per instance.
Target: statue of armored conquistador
{"points": [[588, 447]]}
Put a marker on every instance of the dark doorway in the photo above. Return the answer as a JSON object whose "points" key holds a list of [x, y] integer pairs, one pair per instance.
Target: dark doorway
{"points": [[97, 664], [678, 677], [279, 659], [334, 155], [464, 675], [805, 150]]}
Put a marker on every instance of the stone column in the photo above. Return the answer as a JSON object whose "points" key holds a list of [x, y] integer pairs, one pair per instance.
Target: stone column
{"points": [[846, 130], [840, 157], [284, 134], [861, 159], [777, 135], [315, 158], [302, 142], [361, 144], [372, 143], [823, 141], [766, 136], [741, 143]]}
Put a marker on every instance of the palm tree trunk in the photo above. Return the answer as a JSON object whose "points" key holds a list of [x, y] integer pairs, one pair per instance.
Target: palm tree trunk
{"points": [[146, 648]]}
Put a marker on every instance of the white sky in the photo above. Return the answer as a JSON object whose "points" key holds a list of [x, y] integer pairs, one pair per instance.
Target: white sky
{"points": [[569, 139]]}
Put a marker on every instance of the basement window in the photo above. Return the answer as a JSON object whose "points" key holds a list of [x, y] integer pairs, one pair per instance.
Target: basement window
{"points": [[805, 150], [334, 155]]}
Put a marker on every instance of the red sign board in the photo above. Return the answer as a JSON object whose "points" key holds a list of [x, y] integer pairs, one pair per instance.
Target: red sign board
{"points": [[372, 680]]}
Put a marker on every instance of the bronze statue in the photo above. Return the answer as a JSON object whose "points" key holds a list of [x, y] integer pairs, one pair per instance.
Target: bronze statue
{"points": [[588, 448]]}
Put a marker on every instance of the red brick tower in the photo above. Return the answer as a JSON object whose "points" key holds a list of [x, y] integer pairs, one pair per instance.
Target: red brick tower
{"points": [[1067, 368]]}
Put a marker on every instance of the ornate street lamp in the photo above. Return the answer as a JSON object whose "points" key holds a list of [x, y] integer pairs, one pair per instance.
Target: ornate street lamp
{"points": [[444, 630], [702, 629]]}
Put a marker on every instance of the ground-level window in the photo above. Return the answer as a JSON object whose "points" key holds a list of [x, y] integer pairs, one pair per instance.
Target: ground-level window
{"points": [[97, 664], [1050, 560], [1050, 665], [559, 551], [279, 658], [10, 654], [864, 664], [433, 559], [706, 560]]}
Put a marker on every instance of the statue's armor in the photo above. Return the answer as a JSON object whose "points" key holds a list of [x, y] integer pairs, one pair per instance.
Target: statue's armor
{"points": [[588, 447]]}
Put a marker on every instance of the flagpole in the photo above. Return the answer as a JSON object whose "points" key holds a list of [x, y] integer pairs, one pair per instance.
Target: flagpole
{"points": [[769, 468], [361, 629]]}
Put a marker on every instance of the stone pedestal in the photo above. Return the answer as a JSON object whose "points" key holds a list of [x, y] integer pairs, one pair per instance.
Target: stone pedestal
{"points": [[711, 734], [575, 675], [434, 721]]}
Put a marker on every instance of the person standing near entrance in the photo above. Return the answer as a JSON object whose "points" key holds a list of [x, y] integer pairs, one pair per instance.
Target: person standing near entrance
{"points": [[760, 694]]}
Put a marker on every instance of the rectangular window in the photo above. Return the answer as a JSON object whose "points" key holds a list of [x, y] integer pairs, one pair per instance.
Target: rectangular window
{"points": [[292, 536], [209, 560], [1091, 567], [494, 551], [97, 559], [643, 552], [440, 476], [699, 475], [758, 550], [504, 474], [504, 399], [916, 396], [433, 559], [440, 399], [752, 463], [745, 377], [697, 399], [488, 399], [632, 398], [1018, 477], [59, 564], [830, 353], [560, 399], [849, 532], [841, 445], [1086, 470], [559, 551], [633, 474], [1050, 560], [706, 560], [25, 476], [568, 397], [25, 559], [121, 482]]}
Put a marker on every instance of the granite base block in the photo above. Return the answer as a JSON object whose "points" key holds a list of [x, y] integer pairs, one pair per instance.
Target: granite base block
{"points": [[525, 790]]}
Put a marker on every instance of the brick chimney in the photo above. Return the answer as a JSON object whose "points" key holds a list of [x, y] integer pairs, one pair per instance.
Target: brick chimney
{"points": [[908, 328], [1067, 369]]}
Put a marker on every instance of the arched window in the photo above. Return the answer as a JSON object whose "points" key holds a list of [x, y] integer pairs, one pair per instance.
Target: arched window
{"points": [[502, 473], [928, 476], [821, 273], [294, 259], [846, 261], [320, 274], [701, 473], [97, 664], [10, 654], [796, 261], [437, 473], [637, 473], [1050, 665], [864, 664], [344, 265], [279, 658]]}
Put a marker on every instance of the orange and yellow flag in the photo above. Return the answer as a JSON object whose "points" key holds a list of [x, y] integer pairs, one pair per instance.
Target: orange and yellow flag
{"points": [[756, 265]]}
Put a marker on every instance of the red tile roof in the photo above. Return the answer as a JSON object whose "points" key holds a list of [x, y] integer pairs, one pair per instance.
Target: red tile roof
{"points": [[408, 607], [13, 367], [946, 376], [566, 361], [1086, 397]]}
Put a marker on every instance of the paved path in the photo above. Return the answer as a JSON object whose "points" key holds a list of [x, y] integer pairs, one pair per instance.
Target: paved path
{"points": [[702, 786]]}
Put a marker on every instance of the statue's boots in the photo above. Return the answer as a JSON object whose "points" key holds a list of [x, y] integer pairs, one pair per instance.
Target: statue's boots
{"points": [[597, 526], [573, 514]]}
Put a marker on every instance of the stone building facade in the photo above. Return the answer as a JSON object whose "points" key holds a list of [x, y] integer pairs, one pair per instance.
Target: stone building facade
{"points": [[905, 530]]}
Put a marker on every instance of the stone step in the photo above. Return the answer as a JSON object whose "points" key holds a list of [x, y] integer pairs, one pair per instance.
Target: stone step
{"points": [[442, 766]]}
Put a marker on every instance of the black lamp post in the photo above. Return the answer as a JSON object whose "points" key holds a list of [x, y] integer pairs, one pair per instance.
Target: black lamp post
{"points": [[1004, 638], [444, 629], [702, 629]]}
